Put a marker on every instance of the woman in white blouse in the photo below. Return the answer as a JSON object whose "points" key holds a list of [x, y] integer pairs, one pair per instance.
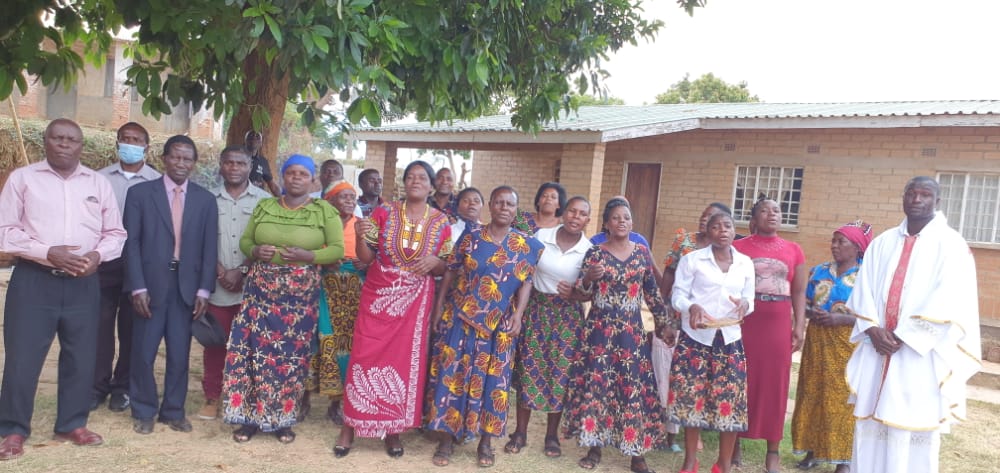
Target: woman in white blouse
{"points": [[713, 290], [552, 327]]}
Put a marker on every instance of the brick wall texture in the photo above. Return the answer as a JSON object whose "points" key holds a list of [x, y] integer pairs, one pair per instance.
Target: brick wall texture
{"points": [[856, 173]]}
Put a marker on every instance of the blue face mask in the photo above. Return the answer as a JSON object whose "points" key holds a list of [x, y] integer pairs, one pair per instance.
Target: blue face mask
{"points": [[130, 154]]}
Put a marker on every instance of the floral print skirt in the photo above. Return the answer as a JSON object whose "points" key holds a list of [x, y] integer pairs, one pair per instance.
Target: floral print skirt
{"points": [[708, 385], [268, 356]]}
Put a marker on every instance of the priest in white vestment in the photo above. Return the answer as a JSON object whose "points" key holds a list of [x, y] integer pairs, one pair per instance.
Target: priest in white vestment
{"points": [[917, 331]]}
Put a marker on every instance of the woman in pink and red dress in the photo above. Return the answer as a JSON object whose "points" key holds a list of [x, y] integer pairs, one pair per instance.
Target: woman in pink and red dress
{"points": [[405, 243], [775, 329]]}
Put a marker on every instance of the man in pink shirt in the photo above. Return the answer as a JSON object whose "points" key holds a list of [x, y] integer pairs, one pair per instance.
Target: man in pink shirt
{"points": [[60, 219]]}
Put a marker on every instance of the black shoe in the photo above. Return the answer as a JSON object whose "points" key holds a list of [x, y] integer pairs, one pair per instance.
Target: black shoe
{"points": [[119, 402], [96, 401], [180, 425], [142, 426]]}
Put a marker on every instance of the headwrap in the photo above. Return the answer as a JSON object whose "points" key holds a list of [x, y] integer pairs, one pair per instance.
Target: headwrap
{"points": [[857, 232], [304, 161], [336, 188]]}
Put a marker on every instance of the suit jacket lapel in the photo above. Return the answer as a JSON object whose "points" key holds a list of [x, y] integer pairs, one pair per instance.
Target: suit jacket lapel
{"points": [[162, 206], [189, 211]]}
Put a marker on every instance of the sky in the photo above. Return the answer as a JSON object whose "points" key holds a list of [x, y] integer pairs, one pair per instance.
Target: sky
{"points": [[820, 50]]}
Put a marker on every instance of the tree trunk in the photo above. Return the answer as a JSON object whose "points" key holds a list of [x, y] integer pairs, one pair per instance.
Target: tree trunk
{"points": [[271, 94]]}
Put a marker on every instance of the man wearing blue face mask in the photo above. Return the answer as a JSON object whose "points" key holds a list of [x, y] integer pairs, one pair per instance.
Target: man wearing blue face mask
{"points": [[111, 378]]}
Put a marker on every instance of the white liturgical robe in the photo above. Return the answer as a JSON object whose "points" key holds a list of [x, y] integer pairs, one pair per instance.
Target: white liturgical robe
{"points": [[902, 410]]}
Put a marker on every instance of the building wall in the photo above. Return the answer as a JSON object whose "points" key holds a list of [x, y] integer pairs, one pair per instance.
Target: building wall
{"points": [[520, 168], [854, 173], [847, 174], [94, 108]]}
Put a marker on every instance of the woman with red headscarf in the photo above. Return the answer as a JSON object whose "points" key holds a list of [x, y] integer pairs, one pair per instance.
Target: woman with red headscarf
{"points": [[823, 422]]}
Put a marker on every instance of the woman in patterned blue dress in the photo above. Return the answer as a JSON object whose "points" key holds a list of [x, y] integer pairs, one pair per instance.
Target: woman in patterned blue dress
{"points": [[471, 364]]}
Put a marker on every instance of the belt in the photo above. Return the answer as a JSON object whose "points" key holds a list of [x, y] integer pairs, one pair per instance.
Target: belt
{"points": [[770, 297], [173, 265], [59, 273]]}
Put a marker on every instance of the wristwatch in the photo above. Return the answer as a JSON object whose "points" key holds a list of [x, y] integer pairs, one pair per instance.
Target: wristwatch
{"points": [[244, 269]]}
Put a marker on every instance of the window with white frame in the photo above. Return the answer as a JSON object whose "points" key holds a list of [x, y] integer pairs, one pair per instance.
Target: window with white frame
{"points": [[970, 201], [781, 184]]}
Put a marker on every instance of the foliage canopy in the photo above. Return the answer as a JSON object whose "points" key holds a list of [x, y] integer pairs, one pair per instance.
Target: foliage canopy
{"points": [[706, 89], [442, 59]]}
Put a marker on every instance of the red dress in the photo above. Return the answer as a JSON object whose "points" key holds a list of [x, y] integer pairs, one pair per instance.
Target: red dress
{"points": [[767, 334], [384, 390]]}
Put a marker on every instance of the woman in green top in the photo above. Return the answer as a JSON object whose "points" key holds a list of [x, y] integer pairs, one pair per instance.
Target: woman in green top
{"points": [[269, 349]]}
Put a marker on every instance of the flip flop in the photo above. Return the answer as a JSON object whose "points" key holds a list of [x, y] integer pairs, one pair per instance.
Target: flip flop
{"points": [[590, 461], [442, 456], [552, 448], [517, 442], [244, 433], [485, 457]]}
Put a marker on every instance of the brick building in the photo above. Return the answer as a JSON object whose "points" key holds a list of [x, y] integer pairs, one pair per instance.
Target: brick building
{"points": [[826, 164], [100, 98]]}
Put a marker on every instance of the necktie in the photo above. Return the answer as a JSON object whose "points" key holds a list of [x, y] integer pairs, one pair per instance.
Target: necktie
{"points": [[176, 215]]}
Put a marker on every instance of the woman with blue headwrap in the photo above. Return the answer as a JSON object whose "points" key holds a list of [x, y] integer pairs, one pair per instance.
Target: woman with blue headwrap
{"points": [[270, 344]]}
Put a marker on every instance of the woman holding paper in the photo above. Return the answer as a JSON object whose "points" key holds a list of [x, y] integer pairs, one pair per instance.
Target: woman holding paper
{"points": [[713, 290]]}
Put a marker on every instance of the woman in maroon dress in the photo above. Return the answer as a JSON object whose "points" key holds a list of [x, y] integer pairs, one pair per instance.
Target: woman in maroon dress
{"points": [[776, 329]]}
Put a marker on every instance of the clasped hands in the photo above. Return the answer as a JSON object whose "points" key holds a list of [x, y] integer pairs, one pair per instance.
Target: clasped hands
{"points": [[884, 341], [62, 257], [291, 254]]}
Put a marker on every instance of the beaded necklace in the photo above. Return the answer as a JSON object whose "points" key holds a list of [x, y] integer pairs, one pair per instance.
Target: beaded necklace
{"points": [[413, 233]]}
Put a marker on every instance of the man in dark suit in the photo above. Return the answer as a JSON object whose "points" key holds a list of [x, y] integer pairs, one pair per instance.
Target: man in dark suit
{"points": [[170, 258]]}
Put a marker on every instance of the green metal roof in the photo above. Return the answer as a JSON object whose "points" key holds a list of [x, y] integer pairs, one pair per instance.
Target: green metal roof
{"points": [[615, 122]]}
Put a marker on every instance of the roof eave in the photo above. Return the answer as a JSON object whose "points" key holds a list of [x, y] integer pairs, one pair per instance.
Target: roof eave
{"points": [[472, 137], [893, 121]]}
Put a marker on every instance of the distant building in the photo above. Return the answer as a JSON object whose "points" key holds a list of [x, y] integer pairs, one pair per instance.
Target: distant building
{"points": [[101, 99], [826, 164]]}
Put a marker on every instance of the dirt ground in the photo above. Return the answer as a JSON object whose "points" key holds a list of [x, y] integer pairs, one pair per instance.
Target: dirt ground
{"points": [[972, 448]]}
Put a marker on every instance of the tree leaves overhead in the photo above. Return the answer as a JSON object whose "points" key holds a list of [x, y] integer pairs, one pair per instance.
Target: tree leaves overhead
{"points": [[443, 60]]}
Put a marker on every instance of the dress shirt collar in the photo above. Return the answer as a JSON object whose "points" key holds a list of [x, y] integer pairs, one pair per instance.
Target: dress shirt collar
{"points": [[931, 227], [250, 190], [170, 185], [80, 170], [709, 256], [548, 236], [145, 171]]}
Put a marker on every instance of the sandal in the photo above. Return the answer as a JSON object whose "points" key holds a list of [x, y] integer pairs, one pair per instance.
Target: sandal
{"points": [[393, 446], [516, 443], [341, 451], [769, 453], [638, 465], [592, 459], [807, 463], [552, 448], [485, 457], [244, 433], [442, 456], [285, 435]]}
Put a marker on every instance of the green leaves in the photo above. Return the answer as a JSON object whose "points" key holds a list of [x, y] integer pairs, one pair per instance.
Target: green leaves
{"points": [[441, 60], [364, 108]]}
